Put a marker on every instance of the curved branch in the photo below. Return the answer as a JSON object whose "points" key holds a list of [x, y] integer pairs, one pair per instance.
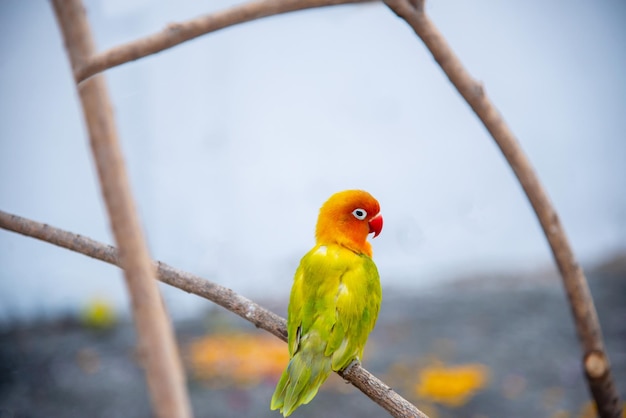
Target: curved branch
{"points": [[366, 382], [163, 367], [177, 33], [595, 361]]}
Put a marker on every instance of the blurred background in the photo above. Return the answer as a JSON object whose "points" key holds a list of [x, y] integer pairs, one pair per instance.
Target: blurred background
{"points": [[233, 141]]}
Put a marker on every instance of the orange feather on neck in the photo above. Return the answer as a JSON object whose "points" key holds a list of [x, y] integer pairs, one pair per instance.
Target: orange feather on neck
{"points": [[336, 223]]}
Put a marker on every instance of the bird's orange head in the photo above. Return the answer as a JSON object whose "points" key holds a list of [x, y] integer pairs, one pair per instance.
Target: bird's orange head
{"points": [[347, 218]]}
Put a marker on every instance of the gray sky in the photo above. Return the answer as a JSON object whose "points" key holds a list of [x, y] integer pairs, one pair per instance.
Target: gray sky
{"points": [[235, 139]]}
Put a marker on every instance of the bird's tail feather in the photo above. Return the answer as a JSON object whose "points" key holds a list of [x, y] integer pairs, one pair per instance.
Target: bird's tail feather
{"points": [[299, 383]]}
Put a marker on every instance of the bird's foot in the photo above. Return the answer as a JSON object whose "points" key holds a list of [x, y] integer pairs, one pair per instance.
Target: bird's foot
{"points": [[354, 363]]}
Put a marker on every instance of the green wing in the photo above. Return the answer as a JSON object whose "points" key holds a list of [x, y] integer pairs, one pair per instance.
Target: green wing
{"points": [[356, 308], [333, 307]]}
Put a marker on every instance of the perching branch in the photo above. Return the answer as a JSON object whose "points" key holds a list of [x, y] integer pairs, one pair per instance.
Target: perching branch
{"points": [[595, 360], [164, 372], [363, 380], [177, 33]]}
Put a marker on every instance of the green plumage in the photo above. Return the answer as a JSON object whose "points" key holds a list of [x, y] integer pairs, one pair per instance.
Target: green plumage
{"points": [[333, 307]]}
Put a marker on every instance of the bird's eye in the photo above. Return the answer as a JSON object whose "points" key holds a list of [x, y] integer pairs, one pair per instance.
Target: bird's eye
{"points": [[360, 214]]}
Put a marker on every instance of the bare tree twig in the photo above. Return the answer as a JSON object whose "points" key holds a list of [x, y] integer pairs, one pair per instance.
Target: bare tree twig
{"points": [[164, 372], [380, 393], [177, 33], [595, 361], [366, 382]]}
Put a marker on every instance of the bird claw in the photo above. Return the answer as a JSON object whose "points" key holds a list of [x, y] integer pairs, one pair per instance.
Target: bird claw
{"points": [[352, 364]]}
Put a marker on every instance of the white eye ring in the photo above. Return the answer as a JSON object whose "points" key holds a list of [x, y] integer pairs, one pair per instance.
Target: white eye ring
{"points": [[359, 213]]}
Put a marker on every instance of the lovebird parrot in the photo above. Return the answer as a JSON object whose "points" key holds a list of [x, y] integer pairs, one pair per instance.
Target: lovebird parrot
{"points": [[334, 300]]}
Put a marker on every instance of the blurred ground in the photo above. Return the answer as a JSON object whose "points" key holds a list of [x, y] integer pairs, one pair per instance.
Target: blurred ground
{"points": [[484, 347]]}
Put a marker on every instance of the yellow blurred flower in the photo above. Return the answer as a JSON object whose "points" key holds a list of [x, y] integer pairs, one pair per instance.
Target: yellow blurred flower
{"points": [[451, 385], [237, 358], [98, 314]]}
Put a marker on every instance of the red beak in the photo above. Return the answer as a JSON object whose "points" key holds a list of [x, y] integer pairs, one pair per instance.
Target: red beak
{"points": [[376, 225]]}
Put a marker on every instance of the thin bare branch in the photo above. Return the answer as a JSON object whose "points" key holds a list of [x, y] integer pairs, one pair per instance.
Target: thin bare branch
{"points": [[595, 360], [164, 371], [177, 33], [380, 393], [366, 382]]}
